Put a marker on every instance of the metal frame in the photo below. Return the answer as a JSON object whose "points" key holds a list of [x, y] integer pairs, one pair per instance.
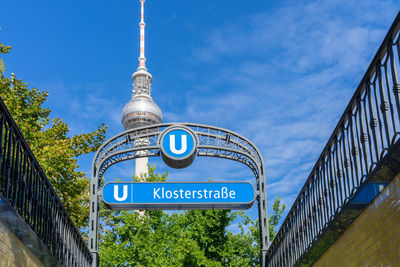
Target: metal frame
{"points": [[357, 152], [26, 188], [212, 142]]}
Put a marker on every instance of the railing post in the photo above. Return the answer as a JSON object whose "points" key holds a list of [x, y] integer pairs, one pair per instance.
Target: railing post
{"points": [[94, 216]]}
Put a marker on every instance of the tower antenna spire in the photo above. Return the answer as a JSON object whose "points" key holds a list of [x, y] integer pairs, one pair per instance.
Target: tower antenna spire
{"points": [[142, 25]]}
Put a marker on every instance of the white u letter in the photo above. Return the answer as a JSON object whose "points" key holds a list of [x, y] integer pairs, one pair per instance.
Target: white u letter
{"points": [[173, 147], [124, 195]]}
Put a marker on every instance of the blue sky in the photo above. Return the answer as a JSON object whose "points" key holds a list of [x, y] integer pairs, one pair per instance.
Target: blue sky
{"points": [[278, 72]]}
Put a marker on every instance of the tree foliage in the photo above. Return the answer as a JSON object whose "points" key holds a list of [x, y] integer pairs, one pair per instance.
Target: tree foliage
{"points": [[273, 220], [188, 238], [54, 147]]}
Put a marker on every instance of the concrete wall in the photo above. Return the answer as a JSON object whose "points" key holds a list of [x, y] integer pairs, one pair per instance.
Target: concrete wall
{"points": [[13, 252], [373, 239]]}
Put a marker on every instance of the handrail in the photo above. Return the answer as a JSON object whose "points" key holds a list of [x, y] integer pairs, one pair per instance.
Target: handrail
{"points": [[364, 135], [27, 189]]}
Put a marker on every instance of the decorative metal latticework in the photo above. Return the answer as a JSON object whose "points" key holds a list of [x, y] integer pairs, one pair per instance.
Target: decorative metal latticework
{"points": [[213, 142], [360, 145], [26, 188]]}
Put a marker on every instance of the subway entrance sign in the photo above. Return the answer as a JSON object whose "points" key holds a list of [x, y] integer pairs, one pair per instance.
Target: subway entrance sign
{"points": [[177, 196]]}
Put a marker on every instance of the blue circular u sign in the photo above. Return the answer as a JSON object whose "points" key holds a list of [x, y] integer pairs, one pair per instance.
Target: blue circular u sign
{"points": [[178, 146]]}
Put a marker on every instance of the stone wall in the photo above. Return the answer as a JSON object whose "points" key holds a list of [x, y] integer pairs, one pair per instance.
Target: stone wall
{"points": [[373, 239], [13, 252]]}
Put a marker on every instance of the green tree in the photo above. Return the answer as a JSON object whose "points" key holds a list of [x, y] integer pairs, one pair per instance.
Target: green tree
{"points": [[273, 221], [155, 239], [188, 238], [50, 141]]}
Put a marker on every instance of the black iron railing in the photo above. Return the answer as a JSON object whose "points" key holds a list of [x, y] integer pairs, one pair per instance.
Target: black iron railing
{"points": [[26, 188], [363, 138]]}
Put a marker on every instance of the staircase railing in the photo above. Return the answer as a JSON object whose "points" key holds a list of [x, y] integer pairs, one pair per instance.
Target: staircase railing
{"points": [[364, 136]]}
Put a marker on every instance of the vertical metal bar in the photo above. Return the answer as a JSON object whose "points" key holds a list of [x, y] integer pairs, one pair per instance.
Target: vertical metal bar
{"points": [[396, 85], [338, 176], [315, 207], [14, 172], [295, 234], [53, 225], [28, 196], [392, 115], [298, 231], [8, 163], [284, 247], [34, 199], [345, 166], [373, 124], [305, 220], [46, 215], [349, 161], [363, 138], [384, 107], [37, 202], [12, 177], [20, 184], [290, 236], [358, 144], [354, 153], [41, 210], [23, 186], [93, 220], [325, 192], [367, 129], [331, 181], [30, 191], [17, 178], [329, 175], [2, 142], [320, 200], [5, 160], [295, 237], [309, 216], [278, 252], [303, 228], [313, 220], [381, 135]]}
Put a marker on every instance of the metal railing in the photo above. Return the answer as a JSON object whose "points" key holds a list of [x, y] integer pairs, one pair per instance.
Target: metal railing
{"points": [[364, 136], [26, 188]]}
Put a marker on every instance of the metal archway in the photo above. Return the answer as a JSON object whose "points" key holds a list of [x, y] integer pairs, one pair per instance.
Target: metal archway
{"points": [[213, 142]]}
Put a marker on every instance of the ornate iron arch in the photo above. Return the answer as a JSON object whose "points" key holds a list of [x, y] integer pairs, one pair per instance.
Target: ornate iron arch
{"points": [[213, 142]]}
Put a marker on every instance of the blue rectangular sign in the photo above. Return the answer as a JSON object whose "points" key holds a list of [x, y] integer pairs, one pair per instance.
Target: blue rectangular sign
{"points": [[178, 195]]}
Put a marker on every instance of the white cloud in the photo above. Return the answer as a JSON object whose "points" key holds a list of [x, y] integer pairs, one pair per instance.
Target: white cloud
{"points": [[286, 76], [280, 77], [84, 106]]}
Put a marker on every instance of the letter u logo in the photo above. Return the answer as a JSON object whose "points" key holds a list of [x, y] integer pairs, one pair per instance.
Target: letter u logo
{"points": [[172, 144], [124, 194]]}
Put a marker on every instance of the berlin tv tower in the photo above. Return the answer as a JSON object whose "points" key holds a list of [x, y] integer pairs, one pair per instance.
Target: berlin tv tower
{"points": [[141, 110]]}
